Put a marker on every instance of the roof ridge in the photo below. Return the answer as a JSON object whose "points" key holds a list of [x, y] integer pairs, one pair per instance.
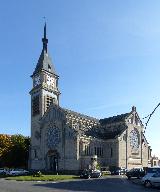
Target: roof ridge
{"points": [[116, 118], [118, 115]]}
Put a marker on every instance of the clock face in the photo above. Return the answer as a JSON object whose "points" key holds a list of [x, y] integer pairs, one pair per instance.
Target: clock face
{"points": [[37, 80], [50, 80], [53, 137], [134, 139]]}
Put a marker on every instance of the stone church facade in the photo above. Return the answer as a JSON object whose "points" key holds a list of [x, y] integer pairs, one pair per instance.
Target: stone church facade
{"points": [[64, 140]]}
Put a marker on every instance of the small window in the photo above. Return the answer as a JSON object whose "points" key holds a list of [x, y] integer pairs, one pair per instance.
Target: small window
{"points": [[49, 67], [102, 151], [95, 151], [132, 120], [111, 152], [85, 150], [98, 151], [35, 154]]}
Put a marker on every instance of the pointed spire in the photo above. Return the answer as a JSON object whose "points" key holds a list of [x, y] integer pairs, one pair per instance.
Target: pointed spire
{"points": [[44, 39], [45, 30], [44, 61]]}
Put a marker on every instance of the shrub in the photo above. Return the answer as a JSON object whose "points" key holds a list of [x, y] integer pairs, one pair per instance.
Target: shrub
{"points": [[38, 174]]}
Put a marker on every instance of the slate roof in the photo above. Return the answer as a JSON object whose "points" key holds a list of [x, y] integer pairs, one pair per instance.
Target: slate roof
{"points": [[111, 134], [45, 63], [99, 132], [81, 115], [114, 119]]}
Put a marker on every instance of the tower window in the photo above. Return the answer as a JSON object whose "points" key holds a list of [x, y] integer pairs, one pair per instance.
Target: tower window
{"points": [[48, 101], [35, 105]]}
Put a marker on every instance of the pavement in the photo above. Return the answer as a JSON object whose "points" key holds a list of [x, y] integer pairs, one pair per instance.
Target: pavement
{"points": [[136, 181], [104, 184]]}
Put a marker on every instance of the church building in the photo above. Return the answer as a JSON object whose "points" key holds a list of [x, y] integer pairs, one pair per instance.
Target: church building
{"points": [[64, 140]]}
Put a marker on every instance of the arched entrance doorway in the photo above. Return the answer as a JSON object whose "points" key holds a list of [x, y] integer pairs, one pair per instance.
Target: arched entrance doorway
{"points": [[52, 160]]}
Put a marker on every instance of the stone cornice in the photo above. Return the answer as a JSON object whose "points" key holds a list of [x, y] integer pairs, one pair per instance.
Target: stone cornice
{"points": [[45, 87]]}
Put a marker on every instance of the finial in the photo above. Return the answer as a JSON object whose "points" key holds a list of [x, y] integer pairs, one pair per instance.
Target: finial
{"points": [[133, 108], [44, 39]]}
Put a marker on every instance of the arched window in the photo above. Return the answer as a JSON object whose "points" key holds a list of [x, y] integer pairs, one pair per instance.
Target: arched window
{"points": [[111, 154]]}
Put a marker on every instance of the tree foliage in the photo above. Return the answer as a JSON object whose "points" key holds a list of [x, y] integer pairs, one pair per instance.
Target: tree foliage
{"points": [[5, 144], [14, 150]]}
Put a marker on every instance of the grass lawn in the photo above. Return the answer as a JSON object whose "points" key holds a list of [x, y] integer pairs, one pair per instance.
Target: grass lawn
{"points": [[43, 178]]}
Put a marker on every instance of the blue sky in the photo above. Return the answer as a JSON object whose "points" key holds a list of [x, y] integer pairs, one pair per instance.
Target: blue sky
{"points": [[107, 54]]}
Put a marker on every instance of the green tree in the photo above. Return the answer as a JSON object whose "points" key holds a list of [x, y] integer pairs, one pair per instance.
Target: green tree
{"points": [[14, 151], [5, 147]]}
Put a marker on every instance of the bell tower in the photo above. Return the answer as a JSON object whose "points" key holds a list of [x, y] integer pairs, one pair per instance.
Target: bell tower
{"points": [[45, 82], [44, 92]]}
